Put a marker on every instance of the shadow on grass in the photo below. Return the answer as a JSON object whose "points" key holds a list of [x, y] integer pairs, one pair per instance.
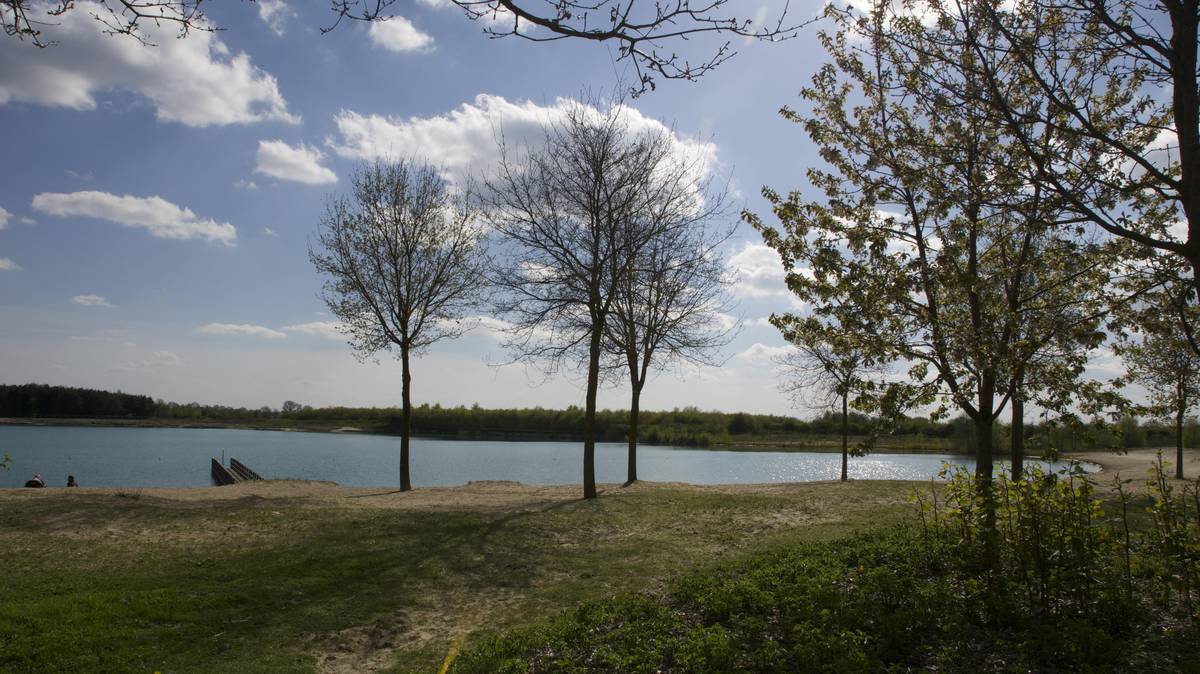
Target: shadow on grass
{"points": [[262, 589]]}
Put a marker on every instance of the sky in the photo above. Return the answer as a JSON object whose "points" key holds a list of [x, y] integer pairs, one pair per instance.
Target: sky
{"points": [[157, 202]]}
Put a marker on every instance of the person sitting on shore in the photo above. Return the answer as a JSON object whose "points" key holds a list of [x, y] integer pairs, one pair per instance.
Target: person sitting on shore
{"points": [[71, 481], [36, 481]]}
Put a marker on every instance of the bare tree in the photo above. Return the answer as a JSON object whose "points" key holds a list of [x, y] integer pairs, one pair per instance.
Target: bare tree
{"points": [[571, 217], [823, 370], [672, 300], [642, 29], [404, 261]]}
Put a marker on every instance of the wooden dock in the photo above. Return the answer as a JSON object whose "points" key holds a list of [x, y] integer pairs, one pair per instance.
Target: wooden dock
{"points": [[236, 472], [242, 471]]}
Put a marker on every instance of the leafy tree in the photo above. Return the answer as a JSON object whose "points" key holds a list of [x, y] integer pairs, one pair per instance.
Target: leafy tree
{"points": [[41, 400], [572, 218], [826, 368], [403, 260], [1165, 364], [290, 406], [926, 201], [1117, 81], [1058, 290]]}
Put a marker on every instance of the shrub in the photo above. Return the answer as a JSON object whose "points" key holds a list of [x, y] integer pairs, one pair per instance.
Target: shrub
{"points": [[1073, 585]]}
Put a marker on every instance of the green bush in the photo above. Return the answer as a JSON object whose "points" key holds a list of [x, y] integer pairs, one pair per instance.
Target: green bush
{"points": [[1068, 586]]}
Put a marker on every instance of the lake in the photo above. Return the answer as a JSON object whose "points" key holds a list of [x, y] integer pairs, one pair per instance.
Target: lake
{"points": [[179, 457]]}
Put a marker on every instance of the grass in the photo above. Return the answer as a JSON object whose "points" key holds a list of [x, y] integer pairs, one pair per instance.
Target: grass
{"points": [[879, 602], [136, 582], [1057, 597]]}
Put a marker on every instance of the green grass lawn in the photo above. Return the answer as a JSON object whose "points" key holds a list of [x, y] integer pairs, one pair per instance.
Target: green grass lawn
{"points": [[134, 582]]}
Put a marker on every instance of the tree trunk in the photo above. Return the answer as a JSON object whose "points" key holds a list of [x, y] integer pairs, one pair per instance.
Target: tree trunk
{"points": [[405, 420], [845, 434], [589, 415], [985, 467], [634, 401], [984, 420], [1179, 441], [1018, 433]]}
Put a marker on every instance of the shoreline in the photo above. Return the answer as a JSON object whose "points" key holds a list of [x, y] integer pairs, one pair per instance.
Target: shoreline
{"points": [[1133, 467], [821, 445]]}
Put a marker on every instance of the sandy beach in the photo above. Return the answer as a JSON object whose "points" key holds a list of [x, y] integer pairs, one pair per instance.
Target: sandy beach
{"points": [[1135, 465]]}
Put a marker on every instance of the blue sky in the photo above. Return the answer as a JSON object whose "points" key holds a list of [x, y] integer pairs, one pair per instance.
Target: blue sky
{"points": [[157, 201]]}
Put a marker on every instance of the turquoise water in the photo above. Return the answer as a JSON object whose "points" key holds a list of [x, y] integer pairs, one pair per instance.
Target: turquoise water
{"points": [[179, 457]]}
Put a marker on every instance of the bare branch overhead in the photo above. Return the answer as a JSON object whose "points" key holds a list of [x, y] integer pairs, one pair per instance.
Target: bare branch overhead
{"points": [[647, 32]]}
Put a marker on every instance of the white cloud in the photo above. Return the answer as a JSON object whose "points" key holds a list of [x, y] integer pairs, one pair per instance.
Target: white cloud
{"points": [[91, 301], [1104, 363], [248, 185], [8, 265], [492, 327], [156, 361], [241, 329], [269, 231], [1178, 231], [4, 215], [492, 15], [300, 164], [464, 140], [275, 14], [26, 220], [922, 11], [156, 215], [757, 22], [758, 271], [1162, 152], [397, 34], [196, 81], [326, 329], [762, 353]]}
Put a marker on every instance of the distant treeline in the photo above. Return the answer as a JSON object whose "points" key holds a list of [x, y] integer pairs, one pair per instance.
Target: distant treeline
{"points": [[40, 400], [686, 426]]}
